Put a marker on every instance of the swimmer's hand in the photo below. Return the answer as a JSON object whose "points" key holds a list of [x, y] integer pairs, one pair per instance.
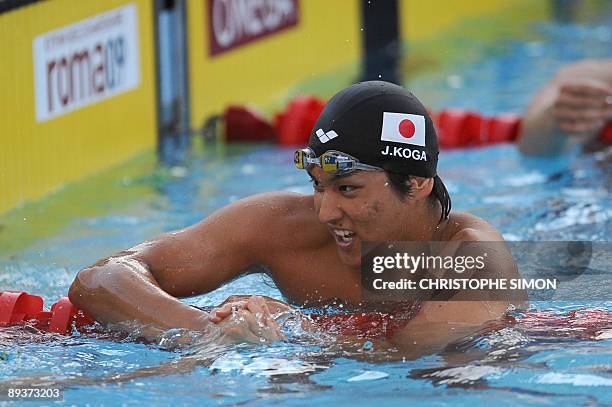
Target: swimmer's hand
{"points": [[264, 308], [245, 326], [583, 107]]}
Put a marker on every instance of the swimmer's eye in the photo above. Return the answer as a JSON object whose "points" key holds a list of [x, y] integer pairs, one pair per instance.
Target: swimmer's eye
{"points": [[347, 189]]}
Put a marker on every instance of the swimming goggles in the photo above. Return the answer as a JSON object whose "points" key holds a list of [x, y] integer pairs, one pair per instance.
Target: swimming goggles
{"points": [[330, 161]]}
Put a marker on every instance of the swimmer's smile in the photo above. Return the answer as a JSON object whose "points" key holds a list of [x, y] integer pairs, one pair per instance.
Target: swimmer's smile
{"points": [[345, 238]]}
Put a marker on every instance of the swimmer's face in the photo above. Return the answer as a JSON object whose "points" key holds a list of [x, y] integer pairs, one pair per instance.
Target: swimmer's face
{"points": [[357, 207]]}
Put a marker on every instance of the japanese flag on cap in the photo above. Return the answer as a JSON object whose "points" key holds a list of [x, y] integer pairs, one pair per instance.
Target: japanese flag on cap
{"points": [[403, 128]]}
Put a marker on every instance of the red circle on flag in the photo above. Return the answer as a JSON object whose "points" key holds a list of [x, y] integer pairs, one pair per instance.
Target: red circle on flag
{"points": [[406, 128]]}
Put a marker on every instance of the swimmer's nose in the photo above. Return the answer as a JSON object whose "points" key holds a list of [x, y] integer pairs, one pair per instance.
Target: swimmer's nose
{"points": [[329, 209]]}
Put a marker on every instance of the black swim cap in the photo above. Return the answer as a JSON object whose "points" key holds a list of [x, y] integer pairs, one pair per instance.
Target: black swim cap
{"points": [[380, 124]]}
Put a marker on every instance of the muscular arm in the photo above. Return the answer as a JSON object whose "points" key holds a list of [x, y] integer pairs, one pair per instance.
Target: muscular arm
{"points": [[143, 283], [575, 102]]}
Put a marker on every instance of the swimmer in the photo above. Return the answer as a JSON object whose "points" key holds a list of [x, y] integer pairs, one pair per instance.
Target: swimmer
{"points": [[372, 159], [574, 106]]}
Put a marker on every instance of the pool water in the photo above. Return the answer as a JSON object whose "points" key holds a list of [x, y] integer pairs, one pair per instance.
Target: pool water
{"points": [[566, 198]]}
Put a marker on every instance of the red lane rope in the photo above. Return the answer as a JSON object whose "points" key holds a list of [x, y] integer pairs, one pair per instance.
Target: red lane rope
{"points": [[18, 307], [457, 128]]}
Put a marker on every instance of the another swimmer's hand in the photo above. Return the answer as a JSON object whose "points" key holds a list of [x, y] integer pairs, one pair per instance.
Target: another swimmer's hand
{"points": [[244, 326], [584, 107]]}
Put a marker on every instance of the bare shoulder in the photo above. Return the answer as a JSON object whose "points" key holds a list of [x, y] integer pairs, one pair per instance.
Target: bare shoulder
{"points": [[462, 310], [467, 227], [285, 218], [271, 203], [277, 208], [500, 262]]}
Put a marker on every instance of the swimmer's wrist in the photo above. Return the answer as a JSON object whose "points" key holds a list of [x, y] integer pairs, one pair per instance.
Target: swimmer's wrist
{"points": [[202, 323], [190, 318]]}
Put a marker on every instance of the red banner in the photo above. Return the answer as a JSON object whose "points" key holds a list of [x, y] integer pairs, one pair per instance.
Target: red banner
{"points": [[233, 23]]}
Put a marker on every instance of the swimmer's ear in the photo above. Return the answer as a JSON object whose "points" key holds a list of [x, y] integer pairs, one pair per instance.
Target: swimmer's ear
{"points": [[421, 187]]}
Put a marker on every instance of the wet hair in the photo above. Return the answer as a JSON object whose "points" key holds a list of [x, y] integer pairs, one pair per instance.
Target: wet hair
{"points": [[402, 187]]}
